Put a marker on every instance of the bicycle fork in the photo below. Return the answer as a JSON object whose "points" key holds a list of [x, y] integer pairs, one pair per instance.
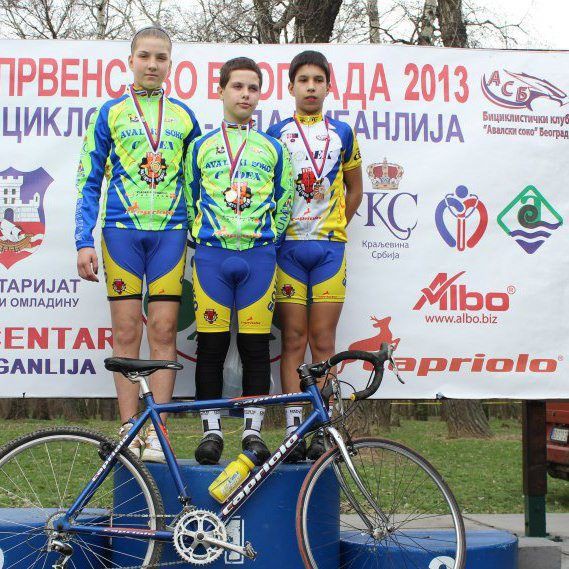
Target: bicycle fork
{"points": [[376, 532]]}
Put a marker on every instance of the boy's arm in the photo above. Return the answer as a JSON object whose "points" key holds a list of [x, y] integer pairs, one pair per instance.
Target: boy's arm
{"points": [[90, 174], [192, 178], [283, 192], [353, 182]]}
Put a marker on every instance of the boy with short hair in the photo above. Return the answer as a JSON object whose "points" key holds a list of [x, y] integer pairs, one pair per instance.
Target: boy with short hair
{"points": [[238, 190], [139, 141], [312, 261]]}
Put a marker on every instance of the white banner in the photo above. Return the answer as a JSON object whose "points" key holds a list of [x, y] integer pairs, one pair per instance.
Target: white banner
{"points": [[459, 252]]}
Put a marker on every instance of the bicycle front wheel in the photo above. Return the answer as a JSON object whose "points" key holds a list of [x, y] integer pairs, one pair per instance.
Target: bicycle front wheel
{"points": [[402, 516], [41, 476]]}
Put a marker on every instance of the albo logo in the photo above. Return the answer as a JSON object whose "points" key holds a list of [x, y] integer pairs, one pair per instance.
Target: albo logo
{"points": [[445, 294]]}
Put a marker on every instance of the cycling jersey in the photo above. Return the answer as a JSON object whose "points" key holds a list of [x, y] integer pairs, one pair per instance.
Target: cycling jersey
{"points": [[138, 142], [238, 188], [321, 150]]}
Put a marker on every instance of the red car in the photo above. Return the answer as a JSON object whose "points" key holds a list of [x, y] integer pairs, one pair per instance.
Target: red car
{"points": [[557, 418]]}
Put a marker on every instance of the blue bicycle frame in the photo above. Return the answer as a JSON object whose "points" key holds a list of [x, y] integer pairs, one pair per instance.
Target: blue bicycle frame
{"points": [[318, 416]]}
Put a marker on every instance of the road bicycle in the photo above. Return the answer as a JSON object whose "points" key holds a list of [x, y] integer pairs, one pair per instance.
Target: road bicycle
{"points": [[84, 500]]}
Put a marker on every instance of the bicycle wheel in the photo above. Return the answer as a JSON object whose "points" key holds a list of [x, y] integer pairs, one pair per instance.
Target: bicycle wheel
{"points": [[41, 476], [409, 519]]}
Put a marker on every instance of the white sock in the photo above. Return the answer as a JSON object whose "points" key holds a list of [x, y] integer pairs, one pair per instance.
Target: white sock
{"points": [[253, 421], [293, 419], [211, 422]]}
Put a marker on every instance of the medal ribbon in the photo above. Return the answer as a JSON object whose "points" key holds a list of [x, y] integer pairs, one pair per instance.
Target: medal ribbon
{"points": [[317, 170], [152, 142], [233, 160]]}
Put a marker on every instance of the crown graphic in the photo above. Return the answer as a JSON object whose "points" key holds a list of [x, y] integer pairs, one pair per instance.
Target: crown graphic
{"points": [[385, 176]]}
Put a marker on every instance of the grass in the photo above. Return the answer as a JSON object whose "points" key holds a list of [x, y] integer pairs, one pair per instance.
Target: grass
{"points": [[485, 475]]}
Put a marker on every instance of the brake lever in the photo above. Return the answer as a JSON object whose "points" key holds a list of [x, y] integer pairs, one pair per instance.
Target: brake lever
{"points": [[390, 359]]}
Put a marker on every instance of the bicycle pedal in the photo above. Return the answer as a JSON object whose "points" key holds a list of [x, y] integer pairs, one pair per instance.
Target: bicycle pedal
{"points": [[249, 551]]}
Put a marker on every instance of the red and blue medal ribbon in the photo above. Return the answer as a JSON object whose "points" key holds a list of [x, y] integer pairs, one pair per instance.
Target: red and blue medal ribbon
{"points": [[317, 169]]}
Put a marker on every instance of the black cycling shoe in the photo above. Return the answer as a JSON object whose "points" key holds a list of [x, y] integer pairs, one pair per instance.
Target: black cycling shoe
{"points": [[255, 444], [209, 450], [298, 453], [316, 448]]}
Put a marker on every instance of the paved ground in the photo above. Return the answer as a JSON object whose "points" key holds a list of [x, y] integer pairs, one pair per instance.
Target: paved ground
{"points": [[557, 527]]}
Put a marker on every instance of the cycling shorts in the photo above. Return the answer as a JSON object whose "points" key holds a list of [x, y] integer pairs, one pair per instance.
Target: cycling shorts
{"points": [[225, 278], [131, 254], [311, 270]]}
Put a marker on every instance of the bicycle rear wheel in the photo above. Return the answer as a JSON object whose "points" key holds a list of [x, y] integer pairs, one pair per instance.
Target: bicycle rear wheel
{"points": [[43, 473], [409, 515]]}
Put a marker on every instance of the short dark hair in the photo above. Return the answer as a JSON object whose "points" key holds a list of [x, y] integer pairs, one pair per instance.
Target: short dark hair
{"points": [[150, 32], [309, 57], [235, 64]]}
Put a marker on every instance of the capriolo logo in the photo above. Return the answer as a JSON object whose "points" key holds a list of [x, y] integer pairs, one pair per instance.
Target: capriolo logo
{"points": [[461, 219], [529, 219], [22, 218], [519, 90]]}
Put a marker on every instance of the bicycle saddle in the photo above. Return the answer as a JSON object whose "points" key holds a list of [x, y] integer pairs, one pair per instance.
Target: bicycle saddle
{"points": [[129, 366]]}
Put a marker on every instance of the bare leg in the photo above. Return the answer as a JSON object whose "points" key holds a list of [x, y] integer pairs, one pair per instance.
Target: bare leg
{"points": [[161, 331], [126, 316], [322, 324], [294, 324]]}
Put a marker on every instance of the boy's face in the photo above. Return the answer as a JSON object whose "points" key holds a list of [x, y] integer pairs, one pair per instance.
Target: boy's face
{"points": [[309, 89], [150, 62], [240, 96]]}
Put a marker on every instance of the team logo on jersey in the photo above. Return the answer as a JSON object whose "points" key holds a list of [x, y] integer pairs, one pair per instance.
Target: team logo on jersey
{"points": [[309, 186], [22, 217], [133, 118], [288, 290], [119, 286], [152, 168], [210, 315], [291, 136], [238, 196], [220, 149]]}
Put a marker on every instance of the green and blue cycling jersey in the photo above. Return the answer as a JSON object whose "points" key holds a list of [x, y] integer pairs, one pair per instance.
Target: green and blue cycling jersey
{"points": [[241, 206], [145, 184]]}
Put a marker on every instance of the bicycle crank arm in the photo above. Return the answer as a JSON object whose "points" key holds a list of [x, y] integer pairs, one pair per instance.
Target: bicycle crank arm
{"points": [[246, 551]]}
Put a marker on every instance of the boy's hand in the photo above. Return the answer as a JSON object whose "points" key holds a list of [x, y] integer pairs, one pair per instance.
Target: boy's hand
{"points": [[88, 264]]}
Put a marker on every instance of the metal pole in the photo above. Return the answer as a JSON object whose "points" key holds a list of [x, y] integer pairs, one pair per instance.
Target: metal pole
{"points": [[534, 467]]}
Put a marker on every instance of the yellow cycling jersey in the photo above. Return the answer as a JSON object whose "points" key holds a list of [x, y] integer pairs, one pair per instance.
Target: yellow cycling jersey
{"points": [[321, 149]]}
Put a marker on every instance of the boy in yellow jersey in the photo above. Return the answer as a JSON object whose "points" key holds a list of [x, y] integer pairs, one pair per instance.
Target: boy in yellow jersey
{"points": [[140, 141], [311, 263]]}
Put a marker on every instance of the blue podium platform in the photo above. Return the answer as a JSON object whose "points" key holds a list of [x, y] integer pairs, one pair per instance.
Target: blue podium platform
{"points": [[484, 550], [18, 553], [267, 519]]}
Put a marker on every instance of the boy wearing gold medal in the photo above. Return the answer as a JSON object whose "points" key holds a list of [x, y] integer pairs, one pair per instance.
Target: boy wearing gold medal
{"points": [[138, 142]]}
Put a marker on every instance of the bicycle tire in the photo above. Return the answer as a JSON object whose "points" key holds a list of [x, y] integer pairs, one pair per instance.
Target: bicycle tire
{"points": [[375, 461], [42, 474]]}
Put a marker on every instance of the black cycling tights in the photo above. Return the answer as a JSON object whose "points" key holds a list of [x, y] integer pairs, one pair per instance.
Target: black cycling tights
{"points": [[212, 350]]}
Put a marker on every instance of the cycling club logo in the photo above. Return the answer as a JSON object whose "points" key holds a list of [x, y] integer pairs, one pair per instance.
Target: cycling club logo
{"points": [[386, 205], [119, 286], [519, 90], [288, 290], [529, 219], [210, 315], [22, 217], [309, 187], [461, 219], [373, 343], [153, 168], [238, 196]]}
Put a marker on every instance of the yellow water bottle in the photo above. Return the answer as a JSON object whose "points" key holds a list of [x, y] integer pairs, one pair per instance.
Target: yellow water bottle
{"points": [[232, 476]]}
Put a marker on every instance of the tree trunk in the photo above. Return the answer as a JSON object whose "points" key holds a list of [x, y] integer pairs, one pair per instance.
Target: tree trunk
{"points": [[267, 31], [427, 24], [466, 418], [314, 20], [451, 23], [373, 16]]}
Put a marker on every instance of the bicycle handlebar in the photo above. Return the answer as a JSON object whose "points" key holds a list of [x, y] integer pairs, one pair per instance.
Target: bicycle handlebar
{"points": [[377, 359]]}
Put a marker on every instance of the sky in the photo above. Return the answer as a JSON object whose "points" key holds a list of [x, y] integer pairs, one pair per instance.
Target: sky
{"points": [[545, 21]]}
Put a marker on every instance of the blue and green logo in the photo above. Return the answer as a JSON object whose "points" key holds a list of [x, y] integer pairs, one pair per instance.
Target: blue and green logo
{"points": [[529, 219]]}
